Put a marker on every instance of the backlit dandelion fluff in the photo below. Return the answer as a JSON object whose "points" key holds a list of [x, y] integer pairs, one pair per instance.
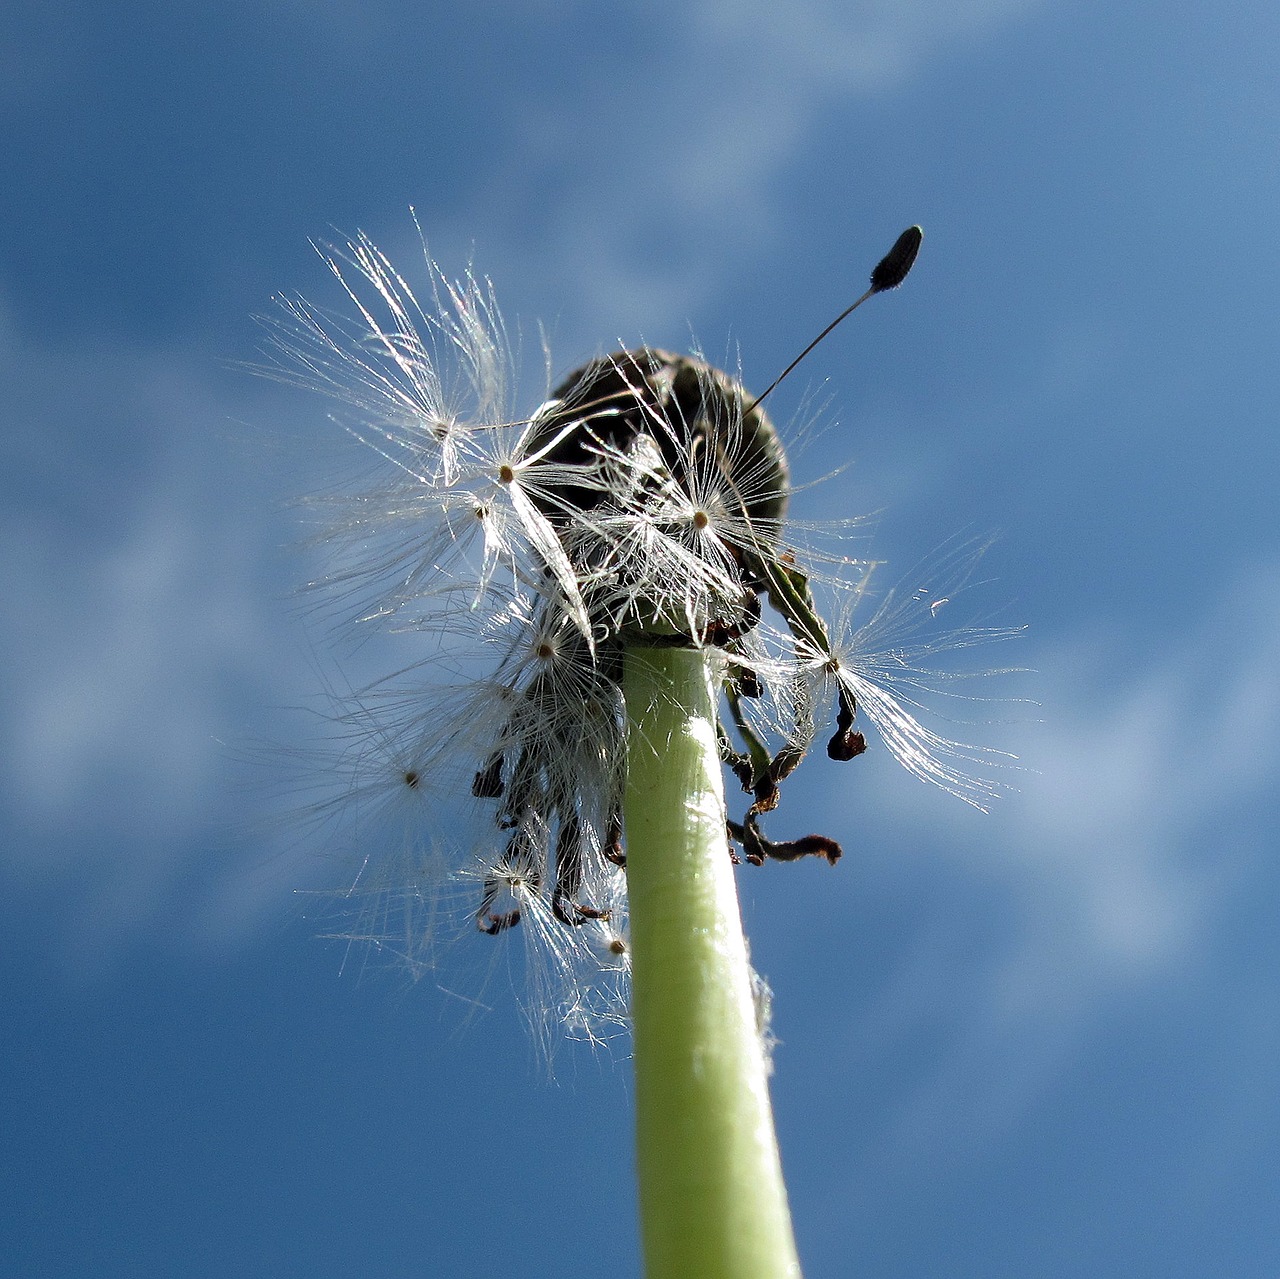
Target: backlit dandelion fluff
{"points": [[642, 503]]}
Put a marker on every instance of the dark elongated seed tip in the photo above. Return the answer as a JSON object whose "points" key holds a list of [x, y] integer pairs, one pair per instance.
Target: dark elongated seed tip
{"points": [[487, 783], [892, 269], [845, 746]]}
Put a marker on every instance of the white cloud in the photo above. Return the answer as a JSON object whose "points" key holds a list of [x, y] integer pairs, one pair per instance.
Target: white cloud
{"points": [[1136, 775], [678, 162], [1146, 820], [860, 48], [133, 615]]}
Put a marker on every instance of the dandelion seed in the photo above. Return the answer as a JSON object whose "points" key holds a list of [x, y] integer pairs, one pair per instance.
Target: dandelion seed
{"points": [[884, 667]]}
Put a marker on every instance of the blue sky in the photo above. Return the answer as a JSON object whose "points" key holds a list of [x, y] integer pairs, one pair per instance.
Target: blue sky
{"points": [[1038, 1041]]}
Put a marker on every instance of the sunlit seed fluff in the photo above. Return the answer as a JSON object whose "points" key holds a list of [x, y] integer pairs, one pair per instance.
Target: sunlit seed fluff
{"points": [[369, 791], [886, 661], [427, 389], [514, 557]]}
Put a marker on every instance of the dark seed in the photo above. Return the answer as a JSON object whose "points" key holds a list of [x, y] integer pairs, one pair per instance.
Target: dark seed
{"points": [[893, 267]]}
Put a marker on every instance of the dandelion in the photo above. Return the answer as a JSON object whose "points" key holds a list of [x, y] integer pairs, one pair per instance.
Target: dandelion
{"points": [[595, 572]]}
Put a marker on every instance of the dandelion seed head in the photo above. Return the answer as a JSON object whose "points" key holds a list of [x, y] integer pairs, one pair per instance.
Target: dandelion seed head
{"points": [[645, 499]]}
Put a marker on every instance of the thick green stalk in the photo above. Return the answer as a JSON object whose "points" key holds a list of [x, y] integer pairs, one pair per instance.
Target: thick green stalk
{"points": [[712, 1201]]}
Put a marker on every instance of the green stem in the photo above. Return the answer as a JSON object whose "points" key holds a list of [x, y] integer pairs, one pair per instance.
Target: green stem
{"points": [[712, 1200]]}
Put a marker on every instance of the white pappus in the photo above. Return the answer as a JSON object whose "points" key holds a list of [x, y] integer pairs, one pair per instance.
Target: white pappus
{"points": [[643, 501]]}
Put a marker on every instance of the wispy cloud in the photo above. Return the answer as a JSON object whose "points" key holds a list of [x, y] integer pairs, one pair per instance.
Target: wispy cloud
{"points": [[642, 190], [1147, 817], [135, 618]]}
